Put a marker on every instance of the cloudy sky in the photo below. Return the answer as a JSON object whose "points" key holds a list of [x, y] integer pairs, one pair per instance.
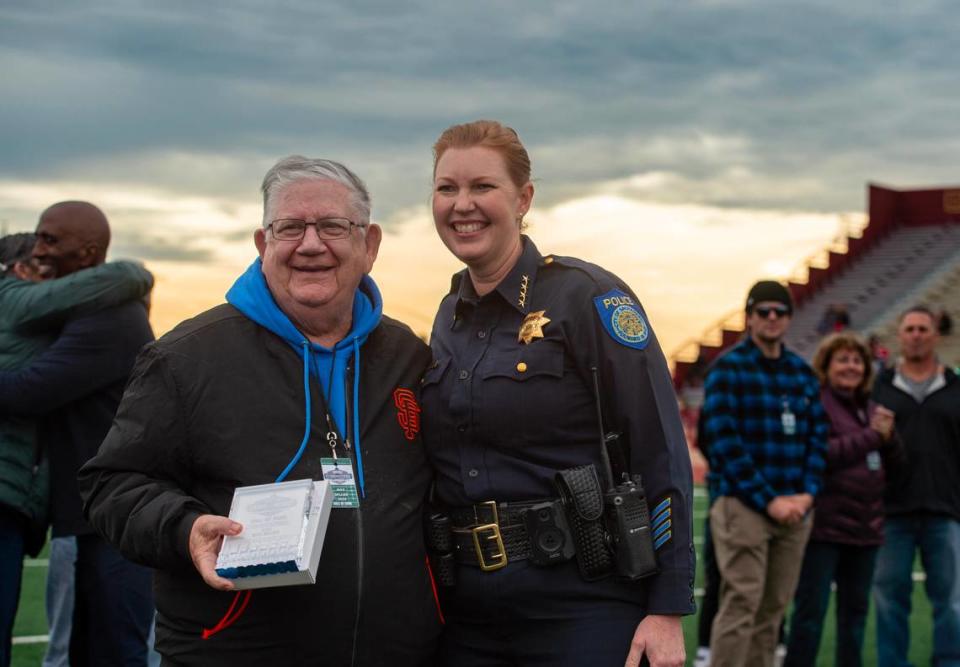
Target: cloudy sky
{"points": [[690, 147]]}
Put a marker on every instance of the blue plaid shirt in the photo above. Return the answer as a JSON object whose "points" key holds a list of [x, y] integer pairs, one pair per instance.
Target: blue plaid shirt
{"points": [[752, 454]]}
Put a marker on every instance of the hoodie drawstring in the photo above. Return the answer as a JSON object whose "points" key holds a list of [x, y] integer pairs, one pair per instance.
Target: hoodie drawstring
{"points": [[307, 408], [251, 296], [229, 618], [356, 414]]}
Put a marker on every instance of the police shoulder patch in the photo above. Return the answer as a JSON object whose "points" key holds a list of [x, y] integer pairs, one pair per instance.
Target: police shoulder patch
{"points": [[622, 319]]}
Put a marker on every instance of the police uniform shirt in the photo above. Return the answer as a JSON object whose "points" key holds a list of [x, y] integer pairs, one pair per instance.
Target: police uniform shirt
{"points": [[509, 400]]}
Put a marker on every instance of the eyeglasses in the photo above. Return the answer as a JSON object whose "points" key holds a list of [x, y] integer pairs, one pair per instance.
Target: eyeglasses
{"points": [[779, 311], [328, 229]]}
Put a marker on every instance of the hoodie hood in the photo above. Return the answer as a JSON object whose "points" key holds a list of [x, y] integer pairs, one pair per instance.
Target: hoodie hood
{"points": [[251, 296]]}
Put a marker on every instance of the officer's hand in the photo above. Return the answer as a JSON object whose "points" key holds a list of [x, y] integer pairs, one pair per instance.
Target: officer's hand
{"points": [[660, 639], [206, 535]]}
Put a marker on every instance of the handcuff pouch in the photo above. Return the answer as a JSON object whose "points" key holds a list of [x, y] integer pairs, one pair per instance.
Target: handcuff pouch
{"points": [[582, 497]]}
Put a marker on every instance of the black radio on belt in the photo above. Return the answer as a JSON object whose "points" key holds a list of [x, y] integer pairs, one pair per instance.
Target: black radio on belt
{"points": [[626, 513], [628, 525], [625, 516]]}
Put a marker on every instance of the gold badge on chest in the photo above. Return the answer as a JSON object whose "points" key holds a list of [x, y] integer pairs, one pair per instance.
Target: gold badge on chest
{"points": [[532, 326]]}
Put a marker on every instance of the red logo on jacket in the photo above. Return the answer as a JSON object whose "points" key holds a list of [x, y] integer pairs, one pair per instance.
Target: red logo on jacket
{"points": [[408, 412]]}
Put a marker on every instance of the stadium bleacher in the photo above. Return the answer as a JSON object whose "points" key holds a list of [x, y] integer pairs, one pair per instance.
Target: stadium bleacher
{"points": [[942, 293], [908, 253], [881, 283]]}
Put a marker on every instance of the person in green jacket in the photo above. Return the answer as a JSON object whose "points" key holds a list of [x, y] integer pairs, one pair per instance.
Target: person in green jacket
{"points": [[32, 310]]}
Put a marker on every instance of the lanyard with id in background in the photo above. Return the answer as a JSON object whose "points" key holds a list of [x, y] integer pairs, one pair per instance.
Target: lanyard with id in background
{"points": [[336, 470], [787, 419]]}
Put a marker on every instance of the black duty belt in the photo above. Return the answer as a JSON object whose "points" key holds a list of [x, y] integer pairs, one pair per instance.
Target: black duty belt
{"points": [[489, 535]]}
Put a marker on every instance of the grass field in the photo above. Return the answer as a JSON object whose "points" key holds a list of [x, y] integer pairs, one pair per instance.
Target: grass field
{"points": [[920, 620], [31, 620]]}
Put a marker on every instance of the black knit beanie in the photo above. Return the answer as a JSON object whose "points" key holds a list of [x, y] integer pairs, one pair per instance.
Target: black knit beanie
{"points": [[769, 290]]}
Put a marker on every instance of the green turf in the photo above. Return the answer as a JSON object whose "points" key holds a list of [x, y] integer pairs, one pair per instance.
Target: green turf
{"points": [[31, 616], [29, 655], [31, 619], [920, 620]]}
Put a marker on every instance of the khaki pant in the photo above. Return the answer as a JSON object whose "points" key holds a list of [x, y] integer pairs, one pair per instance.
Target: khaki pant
{"points": [[759, 561]]}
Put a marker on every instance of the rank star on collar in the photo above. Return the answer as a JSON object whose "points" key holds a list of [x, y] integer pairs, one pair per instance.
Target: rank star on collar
{"points": [[532, 327], [522, 299]]}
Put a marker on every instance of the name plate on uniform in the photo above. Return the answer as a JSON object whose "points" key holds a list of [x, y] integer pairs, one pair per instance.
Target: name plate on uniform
{"points": [[283, 529]]}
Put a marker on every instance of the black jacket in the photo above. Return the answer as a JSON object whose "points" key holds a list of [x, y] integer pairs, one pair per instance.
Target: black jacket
{"points": [[929, 482], [218, 403], [76, 385]]}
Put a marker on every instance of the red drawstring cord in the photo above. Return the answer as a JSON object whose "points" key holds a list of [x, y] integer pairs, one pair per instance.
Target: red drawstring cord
{"points": [[436, 596], [229, 620]]}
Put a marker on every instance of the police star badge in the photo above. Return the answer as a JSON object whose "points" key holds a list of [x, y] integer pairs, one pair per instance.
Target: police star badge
{"points": [[532, 327]]}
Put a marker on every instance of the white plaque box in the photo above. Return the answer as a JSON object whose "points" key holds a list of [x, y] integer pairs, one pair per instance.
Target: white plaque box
{"points": [[283, 529]]}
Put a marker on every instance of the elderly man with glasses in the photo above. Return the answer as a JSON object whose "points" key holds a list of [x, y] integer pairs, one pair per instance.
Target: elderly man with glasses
{"points": [[298, 368], [767, 433]]}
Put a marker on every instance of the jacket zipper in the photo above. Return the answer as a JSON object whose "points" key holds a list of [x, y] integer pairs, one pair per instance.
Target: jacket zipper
{"points": [[351, 438]]}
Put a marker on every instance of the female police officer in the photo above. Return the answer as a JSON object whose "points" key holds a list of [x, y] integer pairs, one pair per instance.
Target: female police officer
{"points": [[525, 348]]}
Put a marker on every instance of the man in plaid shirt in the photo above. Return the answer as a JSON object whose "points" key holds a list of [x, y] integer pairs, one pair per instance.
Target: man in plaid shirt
{"points": [[768, 440]]}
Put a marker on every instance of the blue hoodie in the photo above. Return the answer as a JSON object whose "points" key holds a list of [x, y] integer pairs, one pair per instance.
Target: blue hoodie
{"points": [[251, 296]]}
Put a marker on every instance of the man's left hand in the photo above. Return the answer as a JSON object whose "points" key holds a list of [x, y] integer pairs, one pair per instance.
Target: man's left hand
{"points": [[206, 535], [660, 638]]}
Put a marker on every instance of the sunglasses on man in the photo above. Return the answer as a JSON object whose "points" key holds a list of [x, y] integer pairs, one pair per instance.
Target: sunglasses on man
{"points": [[779, 311]]}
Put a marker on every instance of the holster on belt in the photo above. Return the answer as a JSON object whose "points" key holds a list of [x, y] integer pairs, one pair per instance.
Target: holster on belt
{"points": [[583, 500], [440, 546]]}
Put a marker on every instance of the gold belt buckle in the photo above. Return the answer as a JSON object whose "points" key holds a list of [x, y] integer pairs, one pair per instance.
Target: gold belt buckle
{"points": [[499, 559]]}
